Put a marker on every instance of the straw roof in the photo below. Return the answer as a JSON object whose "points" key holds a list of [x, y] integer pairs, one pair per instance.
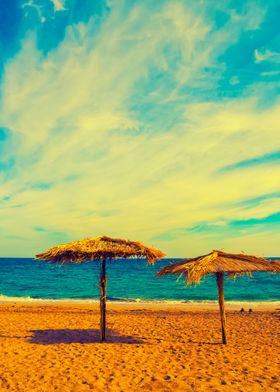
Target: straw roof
{"points": [[276, 264], [218, 261], [102, 247]]}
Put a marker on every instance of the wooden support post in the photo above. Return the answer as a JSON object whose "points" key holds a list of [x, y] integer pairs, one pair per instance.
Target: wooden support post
{"points": [[102, 285], [220, 284]]}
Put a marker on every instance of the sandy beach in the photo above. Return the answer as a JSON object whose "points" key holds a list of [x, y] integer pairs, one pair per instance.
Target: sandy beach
{"points": [[52, 347]]}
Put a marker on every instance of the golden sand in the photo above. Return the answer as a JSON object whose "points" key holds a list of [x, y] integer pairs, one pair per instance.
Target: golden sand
{"points": [[56, 348]]}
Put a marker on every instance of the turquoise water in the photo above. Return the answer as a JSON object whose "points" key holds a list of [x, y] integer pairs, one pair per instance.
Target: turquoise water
{"points": [[128, 280]]}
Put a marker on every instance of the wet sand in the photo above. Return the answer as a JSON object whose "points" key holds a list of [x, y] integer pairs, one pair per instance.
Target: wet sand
{"points": [[150, 348]]}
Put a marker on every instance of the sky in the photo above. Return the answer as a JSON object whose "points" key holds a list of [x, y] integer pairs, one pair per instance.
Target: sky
{"points": [[156, 121]]}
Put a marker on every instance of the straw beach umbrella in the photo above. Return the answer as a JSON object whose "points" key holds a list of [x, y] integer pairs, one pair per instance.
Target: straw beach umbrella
{"points": [[276, 264], [219, 263], [101, 248]]}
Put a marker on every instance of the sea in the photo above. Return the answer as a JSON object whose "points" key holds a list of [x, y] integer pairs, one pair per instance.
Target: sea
{"points": [[133, 280]]}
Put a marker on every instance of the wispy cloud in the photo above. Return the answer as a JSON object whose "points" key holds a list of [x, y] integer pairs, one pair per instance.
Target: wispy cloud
{"points": [[257, 201], [267, 55], [122, 126], [272, 157], [215, 229], [273, 219], [58, 5]]}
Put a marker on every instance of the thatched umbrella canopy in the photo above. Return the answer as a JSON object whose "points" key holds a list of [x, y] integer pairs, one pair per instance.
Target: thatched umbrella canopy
{"points": [[219, 263], [100, 248], [276, 264]]}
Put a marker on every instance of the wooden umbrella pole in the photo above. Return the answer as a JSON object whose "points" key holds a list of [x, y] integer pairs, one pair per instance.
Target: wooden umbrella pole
{"points": [[102, 284], [220, 284]]}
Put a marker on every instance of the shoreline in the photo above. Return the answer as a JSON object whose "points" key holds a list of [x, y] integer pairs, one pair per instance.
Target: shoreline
{"points": [[145, 305]]}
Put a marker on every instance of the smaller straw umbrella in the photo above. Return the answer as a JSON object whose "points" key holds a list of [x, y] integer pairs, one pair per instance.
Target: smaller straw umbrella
{"points": [[219, 263], [101, 248]]}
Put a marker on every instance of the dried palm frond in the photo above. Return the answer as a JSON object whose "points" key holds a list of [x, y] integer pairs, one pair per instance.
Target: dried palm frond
{"points": [[218, 261], [97, 248], [276, 264]]}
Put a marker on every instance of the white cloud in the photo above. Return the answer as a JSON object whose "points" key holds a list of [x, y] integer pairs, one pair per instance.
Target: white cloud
{"points": [[270, 73], [31, 4], [266, 55], [58, 5]]}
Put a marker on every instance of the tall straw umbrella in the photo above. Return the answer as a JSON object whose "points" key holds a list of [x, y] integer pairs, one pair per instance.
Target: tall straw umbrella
{"points": [[101, 248], [219, 263]]}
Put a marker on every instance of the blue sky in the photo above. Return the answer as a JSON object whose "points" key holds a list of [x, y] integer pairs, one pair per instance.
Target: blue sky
{"points": [[157, 121]]}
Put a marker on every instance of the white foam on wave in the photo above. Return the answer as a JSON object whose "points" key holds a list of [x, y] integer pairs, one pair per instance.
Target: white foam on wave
{"points": [[5, 298], [140, 301]]}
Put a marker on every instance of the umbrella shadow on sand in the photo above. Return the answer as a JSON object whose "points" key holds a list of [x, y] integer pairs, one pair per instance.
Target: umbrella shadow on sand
{"points": [[83, 336]]}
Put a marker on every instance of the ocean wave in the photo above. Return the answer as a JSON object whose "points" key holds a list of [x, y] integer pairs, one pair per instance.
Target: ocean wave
{"points": [[6, 298], [170, 302]]}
